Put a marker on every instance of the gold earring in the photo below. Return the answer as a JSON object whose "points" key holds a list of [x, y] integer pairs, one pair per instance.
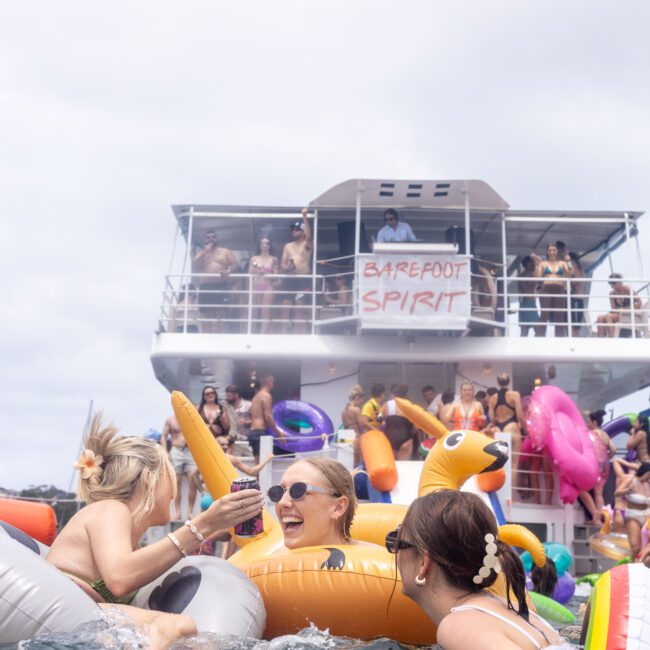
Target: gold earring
{"points": [[420, 582]]}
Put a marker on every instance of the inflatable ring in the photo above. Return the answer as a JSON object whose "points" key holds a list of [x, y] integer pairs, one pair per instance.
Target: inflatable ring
{"points": [[615, 546], [550, 610], [568, 443], [616, 617], [559, 553], [295, 584], [38, 598], [287, 413]]}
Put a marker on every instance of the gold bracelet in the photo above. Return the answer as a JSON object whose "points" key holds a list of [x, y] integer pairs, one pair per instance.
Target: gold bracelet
{"points": [[195, 532], [177, 544]]}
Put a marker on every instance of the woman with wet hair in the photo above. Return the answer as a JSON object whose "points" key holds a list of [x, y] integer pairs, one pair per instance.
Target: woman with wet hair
{"points": [[449, 554]]}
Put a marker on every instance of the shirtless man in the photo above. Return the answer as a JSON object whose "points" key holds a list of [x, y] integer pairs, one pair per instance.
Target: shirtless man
{"points": [[262, 416], [353, 419], [220, 263], [182, 462], [296, 260]]}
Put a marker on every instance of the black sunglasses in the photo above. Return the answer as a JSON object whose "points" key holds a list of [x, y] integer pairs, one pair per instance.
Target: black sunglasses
{"points": [[394, 543], [297, 491]]}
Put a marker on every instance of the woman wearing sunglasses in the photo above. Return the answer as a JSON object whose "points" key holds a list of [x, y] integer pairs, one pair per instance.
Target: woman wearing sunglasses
{"points": [[315, 503], [448, 554]]}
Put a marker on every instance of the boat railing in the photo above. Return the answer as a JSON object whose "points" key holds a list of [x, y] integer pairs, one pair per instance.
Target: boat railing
{"points": [[329, 303]]}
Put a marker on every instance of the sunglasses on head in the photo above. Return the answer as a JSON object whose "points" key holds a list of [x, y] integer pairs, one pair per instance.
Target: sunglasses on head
{"points": [[394, 543], [297, 491]]}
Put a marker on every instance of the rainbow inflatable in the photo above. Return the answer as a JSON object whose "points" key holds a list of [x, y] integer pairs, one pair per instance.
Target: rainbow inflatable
{"points": [[618, 615]]}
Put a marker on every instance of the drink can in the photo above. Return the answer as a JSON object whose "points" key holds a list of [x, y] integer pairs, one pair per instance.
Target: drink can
{"points": [[255, 525]]}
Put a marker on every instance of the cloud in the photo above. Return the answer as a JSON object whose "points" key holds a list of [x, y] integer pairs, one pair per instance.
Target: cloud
{"points": [[110, 112]]}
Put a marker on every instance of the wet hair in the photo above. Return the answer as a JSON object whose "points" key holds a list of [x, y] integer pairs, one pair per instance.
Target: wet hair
{"points": [[399, 390], [645, 467], [503, 379], [428, 388], [492, 390], [342, 483], [597, 417], [560, 244], [232, 389], [480, 394], [355, 391], [450, 528], [127, 462], [447, 396], [544, 578], [392, 213], [258, 248], [377, 390]]}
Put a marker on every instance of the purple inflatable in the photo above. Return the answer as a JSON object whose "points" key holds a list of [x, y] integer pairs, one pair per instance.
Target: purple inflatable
{"points": [[302, 413], [564, 589], [621, 424]]}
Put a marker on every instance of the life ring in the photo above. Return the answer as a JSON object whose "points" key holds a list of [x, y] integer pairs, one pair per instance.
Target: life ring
{"points": [[289, 412], [559, 553], [615, 546], [36, 519], [265, 560], [616, 617], [568, 443]]}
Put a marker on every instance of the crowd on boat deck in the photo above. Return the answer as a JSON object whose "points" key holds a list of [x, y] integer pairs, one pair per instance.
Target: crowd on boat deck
{"points": [[552, 292]]}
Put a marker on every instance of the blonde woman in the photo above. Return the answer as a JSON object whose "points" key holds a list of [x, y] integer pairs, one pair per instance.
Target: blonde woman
{"points": [[352, 418], [128, 484]]}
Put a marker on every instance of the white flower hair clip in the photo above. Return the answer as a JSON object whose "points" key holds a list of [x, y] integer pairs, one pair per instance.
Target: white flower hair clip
{"points": [[89, 464], [490, 561]]}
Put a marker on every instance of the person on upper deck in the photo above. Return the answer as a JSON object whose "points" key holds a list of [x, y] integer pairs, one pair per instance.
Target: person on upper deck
{"points": [[296, 260], [338, 294], [394, 230], [552, 273], [261, 266], [578, 293], [620, 299], [528, 311], [219, 262]]}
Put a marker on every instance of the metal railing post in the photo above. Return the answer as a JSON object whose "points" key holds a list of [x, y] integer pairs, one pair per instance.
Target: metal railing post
{"points": [[569, 319], [250, 304], [188, 264], [504, 261]]}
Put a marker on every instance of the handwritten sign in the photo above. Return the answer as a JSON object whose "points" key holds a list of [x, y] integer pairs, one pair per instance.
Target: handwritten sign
{"points": [[429, 291]]}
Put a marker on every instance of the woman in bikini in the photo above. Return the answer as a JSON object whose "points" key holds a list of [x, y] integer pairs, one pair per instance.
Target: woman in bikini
{"points": [[212, 413], [467, 412], [506, 415], [128, 484], [262, 265], [449, 553], [553, 299], [639, 440], [352, 418], [636, 490]]}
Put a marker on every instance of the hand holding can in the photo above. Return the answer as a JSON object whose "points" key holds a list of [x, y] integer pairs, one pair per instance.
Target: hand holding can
{"points": [[254, 525]]}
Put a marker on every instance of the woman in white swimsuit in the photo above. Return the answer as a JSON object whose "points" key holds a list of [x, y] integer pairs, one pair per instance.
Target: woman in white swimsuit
{"points": [[636, 490], [448, 555]]}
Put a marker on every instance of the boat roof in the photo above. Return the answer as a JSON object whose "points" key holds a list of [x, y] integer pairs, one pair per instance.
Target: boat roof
{"points": [[431, 207]]}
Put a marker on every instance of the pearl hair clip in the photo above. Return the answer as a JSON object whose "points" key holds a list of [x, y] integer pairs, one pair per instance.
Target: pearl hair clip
{"points": [[490, 560]]}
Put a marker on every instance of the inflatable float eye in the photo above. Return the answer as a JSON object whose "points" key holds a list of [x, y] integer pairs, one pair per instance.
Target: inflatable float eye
{"points": [[453, 440]]}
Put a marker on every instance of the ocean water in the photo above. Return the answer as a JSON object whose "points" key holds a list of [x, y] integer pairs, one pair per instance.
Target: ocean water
{"points": [[114, 631]]}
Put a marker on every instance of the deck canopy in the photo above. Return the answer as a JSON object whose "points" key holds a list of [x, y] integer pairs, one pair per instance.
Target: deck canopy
{"points": [[431, 207]]}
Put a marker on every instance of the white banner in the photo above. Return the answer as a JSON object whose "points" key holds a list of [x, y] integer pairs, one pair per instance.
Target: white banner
{"points": [[430, 291]]}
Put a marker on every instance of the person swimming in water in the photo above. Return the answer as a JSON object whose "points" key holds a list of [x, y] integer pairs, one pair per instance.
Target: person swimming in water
{"points": [[315, 503], [448, 554], [128, 484]]}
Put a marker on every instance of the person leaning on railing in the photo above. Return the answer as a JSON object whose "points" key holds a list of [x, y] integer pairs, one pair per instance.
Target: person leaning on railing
{"points": [[620, 300]]}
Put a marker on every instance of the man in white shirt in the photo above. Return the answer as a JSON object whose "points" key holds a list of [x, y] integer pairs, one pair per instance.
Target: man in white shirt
{"points": [[430, 402], [394, 230]]}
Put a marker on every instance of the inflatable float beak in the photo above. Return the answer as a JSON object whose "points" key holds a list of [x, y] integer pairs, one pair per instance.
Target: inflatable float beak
{"points": [[499, 450], [217, 471]]}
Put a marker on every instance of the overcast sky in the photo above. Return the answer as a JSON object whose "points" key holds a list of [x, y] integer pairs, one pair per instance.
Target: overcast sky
{"points": [[112, 111]]}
